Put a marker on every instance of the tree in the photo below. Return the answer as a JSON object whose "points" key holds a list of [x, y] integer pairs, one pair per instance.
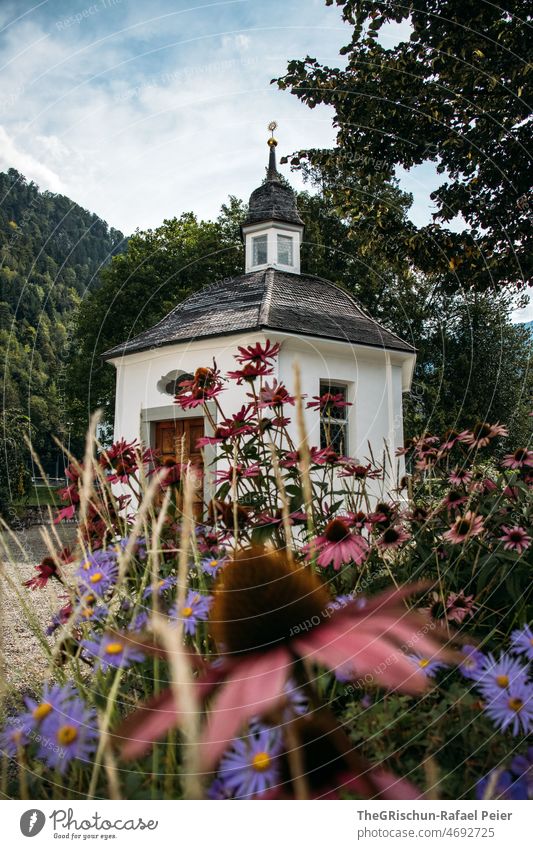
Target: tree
{"points": [[454, 94], [159, 268], [472, 363]]}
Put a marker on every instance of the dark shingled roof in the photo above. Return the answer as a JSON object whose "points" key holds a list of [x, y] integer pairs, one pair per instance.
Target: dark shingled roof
{"points": [[273, 200], [266, 300]]}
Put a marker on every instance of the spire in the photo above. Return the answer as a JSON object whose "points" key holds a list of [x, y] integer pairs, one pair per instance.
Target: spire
{"points": [[272, 172]]}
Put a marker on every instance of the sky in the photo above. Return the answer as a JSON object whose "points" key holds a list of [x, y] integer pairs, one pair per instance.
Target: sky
{"points": [[140, 111]]}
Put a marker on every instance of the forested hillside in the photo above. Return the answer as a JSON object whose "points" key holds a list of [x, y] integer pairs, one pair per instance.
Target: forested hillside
{"points": [[51, 251]]}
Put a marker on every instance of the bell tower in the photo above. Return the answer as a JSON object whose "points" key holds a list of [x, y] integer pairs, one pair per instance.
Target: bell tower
{"points": [[273, 229]]}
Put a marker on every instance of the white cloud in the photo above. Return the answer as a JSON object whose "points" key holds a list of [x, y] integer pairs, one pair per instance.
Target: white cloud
{"points": [[12, 156]]}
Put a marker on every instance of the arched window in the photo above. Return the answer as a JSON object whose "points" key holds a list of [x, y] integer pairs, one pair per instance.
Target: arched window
{"points": [[170, 383]]}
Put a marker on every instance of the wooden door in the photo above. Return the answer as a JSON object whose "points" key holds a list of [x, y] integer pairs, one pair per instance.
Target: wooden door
{"points": [[176, 442]]}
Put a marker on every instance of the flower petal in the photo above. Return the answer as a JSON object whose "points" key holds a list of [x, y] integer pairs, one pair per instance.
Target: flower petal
{"points": [[154, 718], [253, 688]]}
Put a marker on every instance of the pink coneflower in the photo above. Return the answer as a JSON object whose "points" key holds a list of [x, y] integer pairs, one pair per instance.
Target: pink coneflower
{"points": [[122, 460], [521, 457], [453, 499], [275, 396], [459, 606], [240, 470], [451, 438], [242, 422], [337, 545], [48, 569], [258, 353], [357, 471], [392, 537], [515, 539], [250, 371], [483, 433], [459, 476], [266, 614], [319, 457], [205, 386], [464, 528], [383, 515], [427, 460], [327, 402]]}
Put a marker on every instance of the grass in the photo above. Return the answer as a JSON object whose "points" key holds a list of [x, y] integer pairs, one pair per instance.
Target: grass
{"points": [[38, 496]]}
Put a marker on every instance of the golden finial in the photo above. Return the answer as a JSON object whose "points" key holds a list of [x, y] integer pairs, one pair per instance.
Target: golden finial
{"points": [[272, 141]]}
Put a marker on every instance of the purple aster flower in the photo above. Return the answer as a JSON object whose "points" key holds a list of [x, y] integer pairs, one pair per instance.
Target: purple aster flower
{"points": [[162, 585], [522, 766], [472, 663], [427, 665], [218, 790], [211, 565], [522, 642], [343, 674], [297, 701], [98, 572], [111, 652], [194, 609], [497, 675], [340, 601], [68, 735], [139, 548], [140, 621], [250, 767], [89, 613], [13, 736], [513, 707], [500, 784], [53, 701]]}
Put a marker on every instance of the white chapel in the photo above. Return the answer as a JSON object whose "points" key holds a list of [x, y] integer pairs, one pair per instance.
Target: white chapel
{"points": [[338, 346]]}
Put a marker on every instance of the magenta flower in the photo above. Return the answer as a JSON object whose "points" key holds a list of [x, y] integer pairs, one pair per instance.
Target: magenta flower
{"points": [[327, 402], [483, 434], [351, 469], [519, 459], [205, 386], [122, 460], [459, 606], [459, 476], [250, 371], [258, 353], [392, 537], [338, 545], [451, 438], [515, 539], [266, 613], [453, 499], [240, 471], [274, 396], [464, 528]]}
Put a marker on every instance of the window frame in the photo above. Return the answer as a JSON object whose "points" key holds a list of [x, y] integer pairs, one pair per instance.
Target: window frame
{"points": [[289, 241], [333, 386], [257, 241]]}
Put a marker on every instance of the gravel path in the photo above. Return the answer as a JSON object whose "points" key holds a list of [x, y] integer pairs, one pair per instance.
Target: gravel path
{"points": [[22, 662]]}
